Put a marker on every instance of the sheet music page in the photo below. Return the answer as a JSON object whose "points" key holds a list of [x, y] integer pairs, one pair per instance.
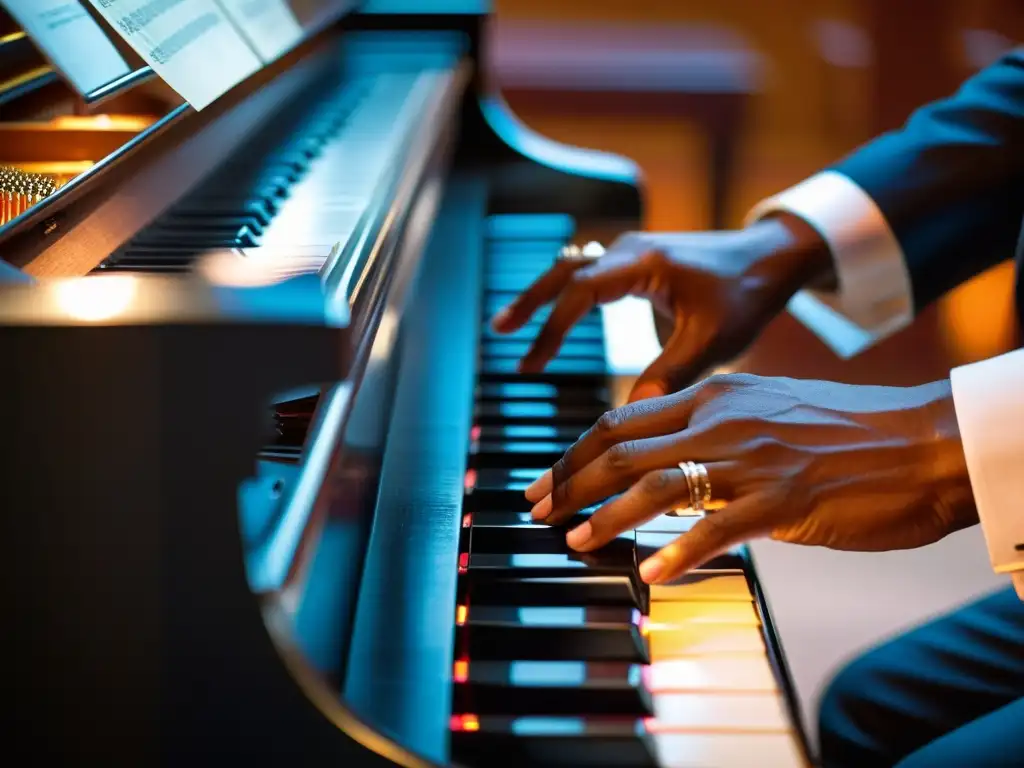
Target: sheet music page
{"points": [[191, 44], [269, 25], [72, 40]]}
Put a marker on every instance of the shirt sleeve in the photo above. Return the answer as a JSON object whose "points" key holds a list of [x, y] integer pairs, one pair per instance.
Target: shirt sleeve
{"points": [[990, 413], [874, 297]]}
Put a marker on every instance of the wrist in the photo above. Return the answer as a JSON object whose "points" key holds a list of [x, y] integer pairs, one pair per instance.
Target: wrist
{"points": [[791, 254], [943, 462]]}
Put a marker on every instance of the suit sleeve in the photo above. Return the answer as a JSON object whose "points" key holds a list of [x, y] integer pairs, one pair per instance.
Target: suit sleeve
{"points": [[917, 211]]}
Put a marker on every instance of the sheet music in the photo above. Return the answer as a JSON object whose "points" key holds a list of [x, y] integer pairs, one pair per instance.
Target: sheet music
{"points": [[72, 40], [191, 44], [270, 26]]}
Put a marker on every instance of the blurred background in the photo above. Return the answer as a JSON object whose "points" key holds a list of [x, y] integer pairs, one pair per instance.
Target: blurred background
{"points": [[724, 102]]}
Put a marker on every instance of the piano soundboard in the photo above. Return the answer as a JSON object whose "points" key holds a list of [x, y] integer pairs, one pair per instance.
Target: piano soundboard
{"points": [[301, 413]]}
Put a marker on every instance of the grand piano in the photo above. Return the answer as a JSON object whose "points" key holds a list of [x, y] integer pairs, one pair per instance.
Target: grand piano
{"points": [[264, 458]]}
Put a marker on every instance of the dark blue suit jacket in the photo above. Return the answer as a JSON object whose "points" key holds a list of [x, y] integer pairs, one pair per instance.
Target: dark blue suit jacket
{"points": [[951, 181]]}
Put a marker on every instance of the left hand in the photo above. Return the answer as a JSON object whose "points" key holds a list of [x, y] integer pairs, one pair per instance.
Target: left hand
{"points": [[808, 462]]}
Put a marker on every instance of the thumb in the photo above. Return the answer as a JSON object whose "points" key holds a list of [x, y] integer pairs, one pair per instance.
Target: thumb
{"points": [[676, 367]]}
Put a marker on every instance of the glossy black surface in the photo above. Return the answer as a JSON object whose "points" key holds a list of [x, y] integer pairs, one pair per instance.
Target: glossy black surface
{"points": [[549, 741], [495, 587], [551, 688], [533, 412], [400, 663]]}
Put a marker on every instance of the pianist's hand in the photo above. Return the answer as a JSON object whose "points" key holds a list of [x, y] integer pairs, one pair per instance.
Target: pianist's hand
{"points": [[721, 289], [808, 462]]}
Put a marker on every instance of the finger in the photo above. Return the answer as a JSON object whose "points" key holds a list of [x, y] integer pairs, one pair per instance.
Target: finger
{"points": [[681, 361], [635, 421], [542, 291], [655, 493], [744, 519], [596, 284], [619, 467], [547, 287]]}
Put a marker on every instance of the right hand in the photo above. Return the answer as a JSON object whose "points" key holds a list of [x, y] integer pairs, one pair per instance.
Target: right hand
{"points": [[719, 289]]}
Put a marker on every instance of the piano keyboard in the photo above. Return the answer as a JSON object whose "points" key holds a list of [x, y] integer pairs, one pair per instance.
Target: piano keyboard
{"points": [[564, 659], [317, 175]]}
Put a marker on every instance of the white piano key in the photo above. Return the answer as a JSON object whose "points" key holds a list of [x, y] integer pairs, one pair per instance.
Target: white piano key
{"points": [[669, 524], [728, 750], [710, 585], [324, 208], [658, 539], [708, 674], [705, 639], [682, 712], [631, 340], [669, 614]]}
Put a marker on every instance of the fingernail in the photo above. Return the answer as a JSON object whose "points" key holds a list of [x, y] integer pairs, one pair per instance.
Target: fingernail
{"points": [[539, 488], [650, 569], [541, 509], [500, 319], [579, 535]]}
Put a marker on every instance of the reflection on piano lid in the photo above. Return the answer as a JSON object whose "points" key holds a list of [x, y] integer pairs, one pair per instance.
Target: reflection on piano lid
{"points": [[265, 446]]}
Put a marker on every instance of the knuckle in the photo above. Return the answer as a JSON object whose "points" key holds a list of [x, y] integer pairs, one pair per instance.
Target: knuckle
{"points": [[714, 530], [653, 256], [561, 469], [621, 457], [608, 424], [746, 427], [562, 491], [765, 450], [658, 482], [730, 382]]}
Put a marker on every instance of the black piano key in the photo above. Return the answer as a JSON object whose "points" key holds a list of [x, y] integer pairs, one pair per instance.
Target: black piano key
{"points": [[504, 518], [521, 538], [618, 560], [551, 741], [585, 332], [555, 633], [543, 392], [161, 236], [555, 367], [527, 433], [165, 263], [520, 412], [517, 454], [550, 688], [211, 223], [257, 210], [506, 477], [509, 499], [500, 589]]}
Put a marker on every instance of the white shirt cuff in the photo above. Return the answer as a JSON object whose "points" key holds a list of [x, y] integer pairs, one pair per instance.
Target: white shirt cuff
{"points": [[990, 411], [874, 297]]}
